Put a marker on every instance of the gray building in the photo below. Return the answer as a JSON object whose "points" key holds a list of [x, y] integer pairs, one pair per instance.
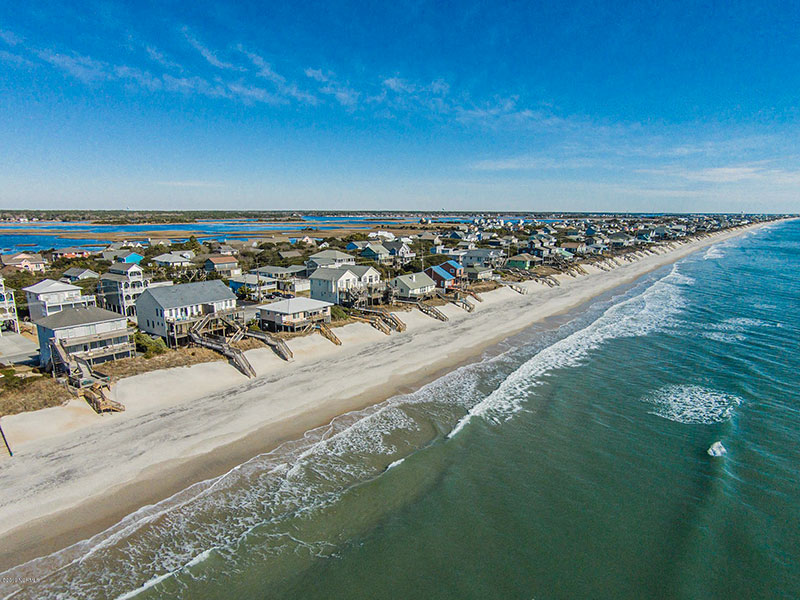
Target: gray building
{"points": [[92, 334]]}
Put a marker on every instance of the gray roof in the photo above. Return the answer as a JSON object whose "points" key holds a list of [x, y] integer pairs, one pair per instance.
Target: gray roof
{"points": [[361, 270], [123, 267], [78, 271], [331, 273], [72, 317], [419, 280], [332, 255], [187, 294], [294, 305]]}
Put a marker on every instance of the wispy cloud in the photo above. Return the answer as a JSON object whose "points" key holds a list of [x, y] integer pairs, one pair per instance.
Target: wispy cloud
{"points": [[9, 37], [207, 53], [284, 88], [753, 172], [343, 93], [83, 68], [159, 57], [14, 59]]}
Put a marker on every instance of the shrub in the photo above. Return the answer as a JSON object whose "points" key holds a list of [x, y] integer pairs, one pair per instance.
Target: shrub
{"points": [[149, 346], [338, 313]]}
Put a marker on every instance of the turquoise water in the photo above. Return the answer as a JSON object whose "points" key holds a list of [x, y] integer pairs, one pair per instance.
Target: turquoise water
{"points": [[572, 461]]}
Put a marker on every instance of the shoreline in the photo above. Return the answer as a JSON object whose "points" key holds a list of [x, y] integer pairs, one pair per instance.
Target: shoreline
{"points": [[63, 510]]}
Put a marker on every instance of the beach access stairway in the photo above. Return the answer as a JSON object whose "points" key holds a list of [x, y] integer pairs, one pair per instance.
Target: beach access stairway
{"points": [[389, 318], [327, 333], [221, 344], [278, 345], [514, 286], [427, 309], [98, 397], [456, 299]]}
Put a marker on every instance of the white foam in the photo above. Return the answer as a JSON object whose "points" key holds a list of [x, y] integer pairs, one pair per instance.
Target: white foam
{"points": [[717, 449], [713, 253], [650, 311], [692, 404]]}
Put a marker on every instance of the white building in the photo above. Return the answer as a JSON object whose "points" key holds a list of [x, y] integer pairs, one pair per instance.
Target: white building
{"points": [[48, 297], [121, 286], [8, 308], [293, 314], [329, 258], [413, 286], [331, 284]]}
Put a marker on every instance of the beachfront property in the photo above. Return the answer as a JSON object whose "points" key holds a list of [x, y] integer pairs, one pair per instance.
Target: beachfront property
{"points": [[91, 334], [120, 287], [48, 297], [441, 277], [414, 286], [354, 284], [485, 257], [171, 311], [329, 258], [8, 309], [172, 260], [523, 261], [225, 265], [33, 262], [253, 284], [478, 273], [78, 274], [293, 314]]}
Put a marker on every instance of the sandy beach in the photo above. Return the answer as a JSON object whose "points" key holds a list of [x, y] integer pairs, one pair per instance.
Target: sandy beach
{"points": [[75, 473]]}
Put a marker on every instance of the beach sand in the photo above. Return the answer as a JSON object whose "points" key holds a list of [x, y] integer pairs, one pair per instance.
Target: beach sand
{"points": [[74, 473]]}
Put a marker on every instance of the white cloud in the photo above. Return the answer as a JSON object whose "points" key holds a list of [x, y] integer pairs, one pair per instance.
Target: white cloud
{"points": [[9, 38], [83, 68], [207, 53]]}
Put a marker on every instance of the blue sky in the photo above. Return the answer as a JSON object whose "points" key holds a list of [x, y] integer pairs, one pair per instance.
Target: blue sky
{"points": [[662, 106]]}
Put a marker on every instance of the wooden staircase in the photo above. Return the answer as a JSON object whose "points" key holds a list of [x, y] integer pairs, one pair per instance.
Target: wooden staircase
{"points": [[326, 332]]}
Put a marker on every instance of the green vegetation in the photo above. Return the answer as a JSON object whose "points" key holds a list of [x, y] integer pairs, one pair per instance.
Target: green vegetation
{"points": [[338, 313], [149, 346]]}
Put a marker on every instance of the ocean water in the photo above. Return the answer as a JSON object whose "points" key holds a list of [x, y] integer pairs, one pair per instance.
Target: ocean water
{"points": [[644, 446]]}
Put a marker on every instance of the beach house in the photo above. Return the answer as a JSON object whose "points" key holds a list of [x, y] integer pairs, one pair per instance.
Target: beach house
{"points": [[78, 274], [329, 258], [48, 297], [331, 284], [8, 309], [253, 284], [414, 286], [70, 252], [485, 257], [172, 260], [92, 334], [376, 252], [25, 261], [171, 311], [441, 277], [227, 266], [400, 252], [523, 261], [293, 314], [118, 289]]}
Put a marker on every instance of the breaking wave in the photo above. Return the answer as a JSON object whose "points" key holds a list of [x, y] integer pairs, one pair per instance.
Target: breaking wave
{"points": [[692, 404], [652, 310]]}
